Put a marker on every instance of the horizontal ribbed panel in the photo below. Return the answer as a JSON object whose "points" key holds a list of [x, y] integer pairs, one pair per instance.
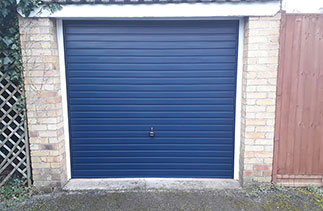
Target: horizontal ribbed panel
{"points": [[125, 77]]}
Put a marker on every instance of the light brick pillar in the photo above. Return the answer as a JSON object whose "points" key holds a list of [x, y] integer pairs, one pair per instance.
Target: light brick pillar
{"points": [[261, 47], [43, 96]]}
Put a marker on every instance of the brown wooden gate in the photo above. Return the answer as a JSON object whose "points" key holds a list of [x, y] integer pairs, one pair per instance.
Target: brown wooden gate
{"points": [[298, 152]]}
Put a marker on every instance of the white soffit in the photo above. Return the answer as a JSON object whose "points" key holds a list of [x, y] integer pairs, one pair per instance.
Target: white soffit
{"points": [[165, 10]]}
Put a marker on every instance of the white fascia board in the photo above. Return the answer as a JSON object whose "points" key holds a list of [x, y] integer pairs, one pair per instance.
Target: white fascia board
{"points": [[164, 10], [303, 6]]}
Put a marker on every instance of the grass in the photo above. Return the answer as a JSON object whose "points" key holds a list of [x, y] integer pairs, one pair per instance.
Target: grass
{"points": [[15, 191]]}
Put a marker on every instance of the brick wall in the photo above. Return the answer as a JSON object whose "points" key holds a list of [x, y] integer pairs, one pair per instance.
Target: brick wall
{"points": [[44, 107], [261, 47]]}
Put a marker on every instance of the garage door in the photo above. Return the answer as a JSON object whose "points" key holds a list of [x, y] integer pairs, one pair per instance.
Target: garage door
{"points": [[151, 98]]}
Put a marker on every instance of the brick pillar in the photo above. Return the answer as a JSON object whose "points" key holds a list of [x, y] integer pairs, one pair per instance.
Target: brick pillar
{"points": [[261, 47], [43, 96]]}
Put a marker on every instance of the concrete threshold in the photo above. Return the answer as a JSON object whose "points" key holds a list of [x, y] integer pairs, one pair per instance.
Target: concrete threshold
{"points": [[150, 184]]}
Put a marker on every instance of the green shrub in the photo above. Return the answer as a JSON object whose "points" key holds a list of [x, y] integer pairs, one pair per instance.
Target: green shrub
{"points": [[14, 190]]}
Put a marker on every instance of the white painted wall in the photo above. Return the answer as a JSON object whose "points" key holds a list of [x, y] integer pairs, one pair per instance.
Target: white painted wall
{"points": [[303, 6]]}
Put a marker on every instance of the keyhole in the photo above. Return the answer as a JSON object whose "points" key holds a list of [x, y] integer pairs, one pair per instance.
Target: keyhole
{"points": [[151, 133]]}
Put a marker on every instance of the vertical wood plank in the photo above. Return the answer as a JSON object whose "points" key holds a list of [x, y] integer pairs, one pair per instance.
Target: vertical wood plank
{"points": [[280, 74], [293, 78], [285, 94], [313, 95], [318, 152], [300, 94]]}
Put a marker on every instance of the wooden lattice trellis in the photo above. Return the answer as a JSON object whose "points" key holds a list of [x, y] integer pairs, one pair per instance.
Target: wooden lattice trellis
{"points": [[14, 147]]}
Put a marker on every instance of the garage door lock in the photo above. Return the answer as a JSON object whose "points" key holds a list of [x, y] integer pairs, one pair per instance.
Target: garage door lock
{"points": [[151, 133]]}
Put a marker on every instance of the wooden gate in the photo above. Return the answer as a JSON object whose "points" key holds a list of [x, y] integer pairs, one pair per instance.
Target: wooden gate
{"points": [[298, 153]]}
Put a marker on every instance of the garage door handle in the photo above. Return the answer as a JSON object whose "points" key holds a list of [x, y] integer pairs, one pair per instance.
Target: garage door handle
{"points": [[151, 133]]}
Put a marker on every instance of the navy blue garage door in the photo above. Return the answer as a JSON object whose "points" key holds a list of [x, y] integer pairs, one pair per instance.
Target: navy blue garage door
{"points": [[151, 98]]}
